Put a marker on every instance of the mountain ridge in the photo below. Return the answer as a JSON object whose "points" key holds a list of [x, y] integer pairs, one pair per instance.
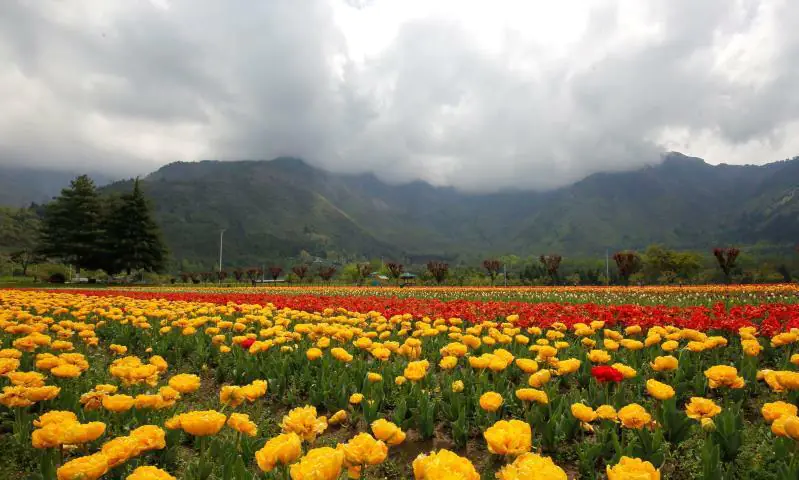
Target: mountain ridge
{"points": [[289, 205], [275, 209]]}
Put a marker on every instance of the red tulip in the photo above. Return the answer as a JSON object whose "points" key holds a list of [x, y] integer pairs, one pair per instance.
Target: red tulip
{"points": [[604, 374]]}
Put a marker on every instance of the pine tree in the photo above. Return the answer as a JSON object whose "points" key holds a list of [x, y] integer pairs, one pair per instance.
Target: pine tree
{"points": [[133, 239], [72, 226]]}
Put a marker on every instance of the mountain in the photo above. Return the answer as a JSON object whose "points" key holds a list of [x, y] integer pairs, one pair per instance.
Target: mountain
{"points": [[20, 186], [275, 209]]}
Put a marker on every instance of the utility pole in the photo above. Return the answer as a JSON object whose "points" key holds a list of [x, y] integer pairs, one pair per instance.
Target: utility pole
{"points": [[505, 273], [221, 235], [607, 268]]}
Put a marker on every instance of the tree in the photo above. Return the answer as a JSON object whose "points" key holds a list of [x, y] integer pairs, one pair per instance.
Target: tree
{"points": [[275, 271], [439, 270], [726, 258], [253, 274], [492, 266], [533, 274], [395, 270], [509, 263], [301, 271], [72, 226], [221, 276], [132, 238], [628, 263], [239, 274], [552, 264], [667, 266], [349, 273], [19, 229], [364, 270], [25, 258], [326, 273]]}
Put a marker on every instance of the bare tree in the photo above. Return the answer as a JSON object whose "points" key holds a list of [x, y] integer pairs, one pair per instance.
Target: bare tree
{"points": [[439, 270], [628, 263], [239, 274], [326, 273], [364, 269], [301, 271], [25, 258], [726, 258], [492, 266], [253, 274], [395, 269], [552, 264], [275, 271]]}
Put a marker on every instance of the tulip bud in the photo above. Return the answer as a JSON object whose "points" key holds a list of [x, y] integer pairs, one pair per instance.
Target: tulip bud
{"points": [[708, 425]]}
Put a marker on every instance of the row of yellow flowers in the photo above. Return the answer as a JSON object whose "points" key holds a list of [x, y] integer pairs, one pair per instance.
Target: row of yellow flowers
{"points": [[774, 288], [635, 387]]}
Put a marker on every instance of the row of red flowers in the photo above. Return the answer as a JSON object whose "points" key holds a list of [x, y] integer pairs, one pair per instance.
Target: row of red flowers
{"points": [[770, 318]]}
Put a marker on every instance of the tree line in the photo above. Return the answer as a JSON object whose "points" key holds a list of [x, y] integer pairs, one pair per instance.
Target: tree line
{"points": [[656, 265], [93, 231]]}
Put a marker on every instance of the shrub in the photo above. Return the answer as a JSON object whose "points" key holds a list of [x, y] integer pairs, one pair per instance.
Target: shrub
{"points": [[57, 277]]}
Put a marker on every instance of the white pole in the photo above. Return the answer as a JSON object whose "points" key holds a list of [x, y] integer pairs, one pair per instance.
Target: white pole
{"points": [[221, 235]]}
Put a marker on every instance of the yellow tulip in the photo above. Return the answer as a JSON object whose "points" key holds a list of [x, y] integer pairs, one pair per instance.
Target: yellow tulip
{"points": [[318, 464], [283, 449], [699, 408], [491, 401], [634, 416], [512, 437], [531, 466], [149, 473], [633, 468], [659, 390], [443, 464]]}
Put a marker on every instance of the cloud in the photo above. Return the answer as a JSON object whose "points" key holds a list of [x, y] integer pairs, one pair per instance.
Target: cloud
{"points": [[479, 95]]}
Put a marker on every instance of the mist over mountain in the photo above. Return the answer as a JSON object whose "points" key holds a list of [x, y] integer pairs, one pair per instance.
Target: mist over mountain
{"points": [[20, 186]]}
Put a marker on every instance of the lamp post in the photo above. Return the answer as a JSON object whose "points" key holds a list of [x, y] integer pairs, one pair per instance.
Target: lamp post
{"points": [[221, 235]]}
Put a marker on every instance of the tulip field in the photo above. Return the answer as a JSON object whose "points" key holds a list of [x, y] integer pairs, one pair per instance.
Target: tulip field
{"points": [[325, 382]]}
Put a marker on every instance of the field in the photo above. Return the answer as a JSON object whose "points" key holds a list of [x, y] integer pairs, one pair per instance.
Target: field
{"points": [[317, 382]]}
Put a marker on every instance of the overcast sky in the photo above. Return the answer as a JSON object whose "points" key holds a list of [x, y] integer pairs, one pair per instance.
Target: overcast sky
{"points": [[476, 94]]}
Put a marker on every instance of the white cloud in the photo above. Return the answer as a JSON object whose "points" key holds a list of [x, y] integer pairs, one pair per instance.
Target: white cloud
{"points": [[480, 95]]}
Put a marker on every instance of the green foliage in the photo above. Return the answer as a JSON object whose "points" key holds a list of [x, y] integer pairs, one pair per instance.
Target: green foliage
{"points": [[661, 265], [350, 273], [132, 239], [72, 226], [19, 227], [92, 232]]}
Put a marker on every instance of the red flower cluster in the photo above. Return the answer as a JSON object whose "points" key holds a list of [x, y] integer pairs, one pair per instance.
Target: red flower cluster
{"points": [[246, 344], [605, 374], [769, 318]]}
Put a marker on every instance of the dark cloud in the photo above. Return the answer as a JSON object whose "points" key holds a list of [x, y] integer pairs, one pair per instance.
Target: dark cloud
{"points": [[127, 86]]}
